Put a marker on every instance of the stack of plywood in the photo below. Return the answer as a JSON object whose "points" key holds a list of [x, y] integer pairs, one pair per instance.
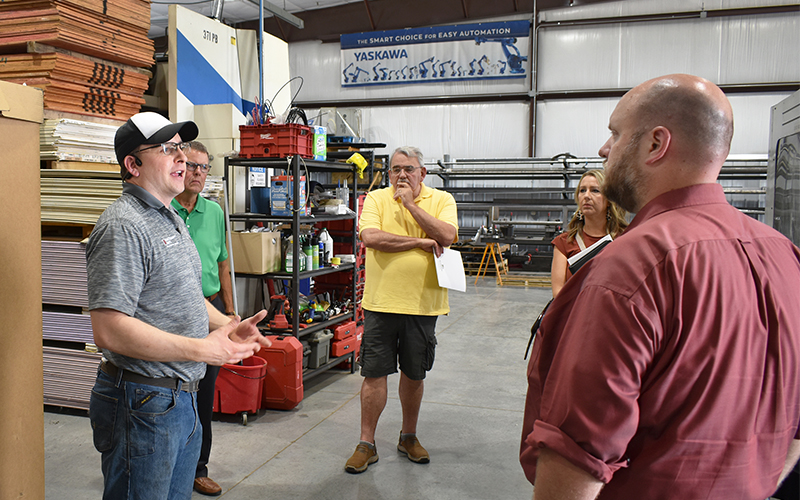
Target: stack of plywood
{"points": [[115, 31], [64, 280], [91, 57], [76, 84], [77, 197], [69, 376]]}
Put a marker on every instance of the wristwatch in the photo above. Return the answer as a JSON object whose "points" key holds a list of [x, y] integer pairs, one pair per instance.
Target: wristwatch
{"points": [[230, 314]]}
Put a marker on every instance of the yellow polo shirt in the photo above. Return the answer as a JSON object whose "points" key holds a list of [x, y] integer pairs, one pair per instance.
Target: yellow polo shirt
{"points": [[404, 282]]}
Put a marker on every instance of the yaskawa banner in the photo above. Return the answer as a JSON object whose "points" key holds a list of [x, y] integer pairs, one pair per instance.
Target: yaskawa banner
{"points": [[442, 53]]}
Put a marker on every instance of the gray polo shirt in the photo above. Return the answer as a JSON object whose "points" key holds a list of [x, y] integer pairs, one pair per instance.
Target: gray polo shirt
{"points": [[141, 261]]}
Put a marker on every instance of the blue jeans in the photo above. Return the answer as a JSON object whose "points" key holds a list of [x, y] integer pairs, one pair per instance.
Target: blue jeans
{"points": [[149, 438]]}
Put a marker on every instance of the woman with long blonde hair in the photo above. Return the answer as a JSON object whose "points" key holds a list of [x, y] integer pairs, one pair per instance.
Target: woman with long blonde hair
{"points": [[594, 218]]}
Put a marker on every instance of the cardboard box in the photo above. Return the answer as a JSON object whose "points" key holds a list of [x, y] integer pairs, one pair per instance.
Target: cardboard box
{"points": [[21, 372], [256, 253], [320, 143], [281, 193]]}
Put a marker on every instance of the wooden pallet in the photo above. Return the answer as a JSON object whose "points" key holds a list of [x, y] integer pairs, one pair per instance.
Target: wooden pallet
{"points": [[537, 280], [471, 268]]}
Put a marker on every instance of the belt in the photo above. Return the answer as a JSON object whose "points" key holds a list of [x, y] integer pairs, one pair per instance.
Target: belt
{"points": [[211, 298], [169, 383]]}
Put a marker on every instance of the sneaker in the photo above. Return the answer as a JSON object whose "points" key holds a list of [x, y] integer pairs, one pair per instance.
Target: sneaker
{"points": [[361, 459], [413, 450]]}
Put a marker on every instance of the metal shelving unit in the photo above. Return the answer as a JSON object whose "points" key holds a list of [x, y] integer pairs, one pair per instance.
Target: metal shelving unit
{"points": [[296, 165]]}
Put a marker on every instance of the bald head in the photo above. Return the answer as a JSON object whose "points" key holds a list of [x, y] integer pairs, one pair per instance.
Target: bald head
{"points": [[695, 111], [667, 133]]}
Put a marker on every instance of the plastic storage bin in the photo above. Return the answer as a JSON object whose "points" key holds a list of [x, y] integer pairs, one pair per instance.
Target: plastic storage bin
{"points": [[343, 330], [320, 348], [345, 346], [276, 141], [306, 353]]}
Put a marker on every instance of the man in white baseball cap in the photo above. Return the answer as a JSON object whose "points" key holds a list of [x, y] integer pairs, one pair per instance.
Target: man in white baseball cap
{"points": [[152, 322]]}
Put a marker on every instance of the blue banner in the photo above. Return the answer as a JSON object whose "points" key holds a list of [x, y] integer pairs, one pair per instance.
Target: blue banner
{"points": [[442, 53]]}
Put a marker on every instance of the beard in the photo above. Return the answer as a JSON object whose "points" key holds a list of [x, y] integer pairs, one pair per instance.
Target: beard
{"points": [[624, 180]]}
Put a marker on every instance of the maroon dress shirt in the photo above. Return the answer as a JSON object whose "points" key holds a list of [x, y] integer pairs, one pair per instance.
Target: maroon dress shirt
{"points": [[669, 365]]}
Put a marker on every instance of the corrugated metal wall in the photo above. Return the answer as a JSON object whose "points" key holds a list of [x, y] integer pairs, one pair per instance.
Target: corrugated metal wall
{"points": [[743, 49]]}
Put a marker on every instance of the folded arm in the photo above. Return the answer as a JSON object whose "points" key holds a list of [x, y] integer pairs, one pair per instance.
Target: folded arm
{"points": [[389, 242], [438, 230]]}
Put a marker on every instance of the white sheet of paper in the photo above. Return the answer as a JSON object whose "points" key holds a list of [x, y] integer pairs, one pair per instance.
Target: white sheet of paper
{"points": [[575, 258], [450, 270]]}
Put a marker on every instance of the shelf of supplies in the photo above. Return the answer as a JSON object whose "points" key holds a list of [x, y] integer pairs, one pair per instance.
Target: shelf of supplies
{"points": [[285, 164], [288, 219], [295, 167], [356, 145], [312, 327], [302, 274]]}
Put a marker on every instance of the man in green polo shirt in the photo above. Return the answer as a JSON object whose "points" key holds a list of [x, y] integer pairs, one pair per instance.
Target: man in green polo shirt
{"points": [[206, 222]]}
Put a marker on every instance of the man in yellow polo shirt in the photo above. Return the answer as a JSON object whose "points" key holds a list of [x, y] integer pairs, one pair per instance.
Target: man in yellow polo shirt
{"points": [[402, 226]]}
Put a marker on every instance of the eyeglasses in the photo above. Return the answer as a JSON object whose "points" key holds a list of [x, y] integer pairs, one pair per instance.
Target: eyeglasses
{"points": [[409, 169], [192, 166], [169, 148]]}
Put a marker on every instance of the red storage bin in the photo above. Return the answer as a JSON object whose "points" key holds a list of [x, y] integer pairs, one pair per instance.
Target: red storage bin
{"points": [[342, 248], [276, 141], [344, 330], [359, 336], [239, 387], [346, 345], [283, 385], [343, 226], [343, 278]]}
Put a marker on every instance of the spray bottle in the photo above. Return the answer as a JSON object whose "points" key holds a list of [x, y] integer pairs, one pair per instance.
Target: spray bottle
{"points": [[289, 256], [308, 254]]}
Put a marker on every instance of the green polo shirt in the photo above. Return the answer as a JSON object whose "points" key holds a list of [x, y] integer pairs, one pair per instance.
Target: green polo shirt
{"points": [[206, 225]]}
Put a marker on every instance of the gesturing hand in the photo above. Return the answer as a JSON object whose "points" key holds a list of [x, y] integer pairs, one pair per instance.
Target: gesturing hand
{"points": [[246, 329], [236, 340]]}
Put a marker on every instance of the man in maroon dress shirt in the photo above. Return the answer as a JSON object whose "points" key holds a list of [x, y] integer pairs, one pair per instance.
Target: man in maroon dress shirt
{"points": [[669, 366]]}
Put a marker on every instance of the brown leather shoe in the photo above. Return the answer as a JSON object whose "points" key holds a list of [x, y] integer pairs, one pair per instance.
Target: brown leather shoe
{"points": [[361, 459], [413, 450], [207, 486]]}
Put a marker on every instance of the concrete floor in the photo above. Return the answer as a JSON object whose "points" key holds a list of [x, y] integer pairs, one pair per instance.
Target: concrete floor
{"points": [[470, 423]]}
